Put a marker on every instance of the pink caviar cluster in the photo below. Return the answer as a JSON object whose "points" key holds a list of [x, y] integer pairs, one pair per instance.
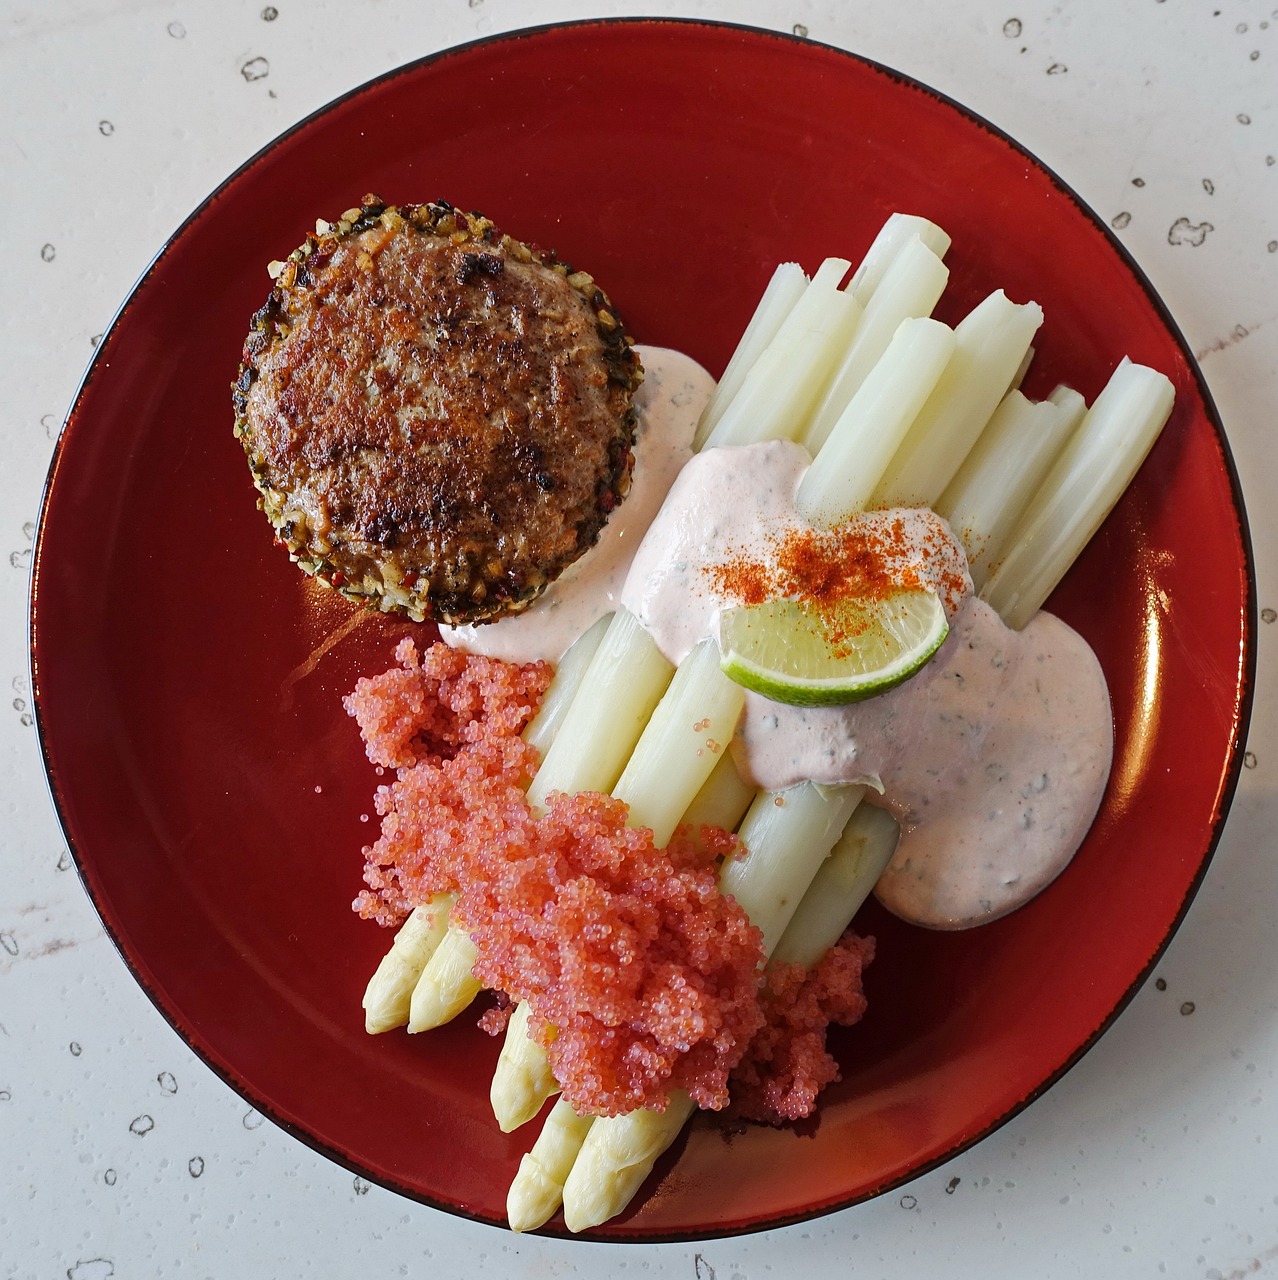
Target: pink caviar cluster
{"points": [[449, 724], [787, 1063], [640, 975]]}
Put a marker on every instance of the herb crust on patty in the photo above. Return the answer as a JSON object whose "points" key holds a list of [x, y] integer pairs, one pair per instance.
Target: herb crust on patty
{"points": [[438, 417]]}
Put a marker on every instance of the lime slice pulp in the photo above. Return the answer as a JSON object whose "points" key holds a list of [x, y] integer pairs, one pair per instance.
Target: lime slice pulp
{"points": [[797, 652]]}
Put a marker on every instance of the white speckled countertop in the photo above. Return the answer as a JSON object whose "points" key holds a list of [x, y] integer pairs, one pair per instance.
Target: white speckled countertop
{"points": [[121, 1155]]}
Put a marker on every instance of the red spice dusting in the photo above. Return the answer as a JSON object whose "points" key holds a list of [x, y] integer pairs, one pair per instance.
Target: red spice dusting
{"points": [[823, 566], [787, 1063], [864, 561]]}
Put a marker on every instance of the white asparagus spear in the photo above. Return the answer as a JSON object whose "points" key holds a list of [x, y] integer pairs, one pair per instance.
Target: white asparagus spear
{"points": [[1091, 474], [787, 835], [522, 1080], [861, 443], [1001, 474], [569, 675], [681, 744], [893, 236], [538, 1189], [724, 799], [783, 385], [989, 344], [623, 683], [842, 883], [784, 290], [390, 989], [446, 985], [910, 288]]}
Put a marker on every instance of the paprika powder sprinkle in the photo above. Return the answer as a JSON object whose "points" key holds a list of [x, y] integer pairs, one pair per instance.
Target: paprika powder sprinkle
{"points": [[868, 560]]}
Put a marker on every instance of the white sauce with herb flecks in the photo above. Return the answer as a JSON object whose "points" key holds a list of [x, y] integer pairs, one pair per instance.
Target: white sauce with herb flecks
{"points": [[994, 757]]}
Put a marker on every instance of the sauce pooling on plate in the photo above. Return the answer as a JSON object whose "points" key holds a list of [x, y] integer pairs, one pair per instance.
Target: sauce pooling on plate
{"points": [[994, 758]]}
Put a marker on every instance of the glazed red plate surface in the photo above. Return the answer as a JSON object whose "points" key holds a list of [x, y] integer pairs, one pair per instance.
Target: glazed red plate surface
{"points": [[188, 678]]}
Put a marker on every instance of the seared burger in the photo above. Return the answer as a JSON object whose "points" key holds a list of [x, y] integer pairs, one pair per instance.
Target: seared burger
{"points": [[438, 417]]}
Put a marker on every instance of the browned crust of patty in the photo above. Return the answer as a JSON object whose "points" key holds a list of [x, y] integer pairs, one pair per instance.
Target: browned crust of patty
{"points": [[438, 417]]}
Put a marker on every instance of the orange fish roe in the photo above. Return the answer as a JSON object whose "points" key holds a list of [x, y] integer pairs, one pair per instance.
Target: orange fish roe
{"points": [[787, 1063], [641, 976], [449, 723], [432, 707]]}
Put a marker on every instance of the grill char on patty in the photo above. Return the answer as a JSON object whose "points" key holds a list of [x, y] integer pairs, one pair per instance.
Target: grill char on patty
{"points": [[438, 417]]}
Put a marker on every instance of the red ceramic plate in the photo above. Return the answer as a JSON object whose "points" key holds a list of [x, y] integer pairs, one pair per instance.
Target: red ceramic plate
{"points": [[188, 677]]}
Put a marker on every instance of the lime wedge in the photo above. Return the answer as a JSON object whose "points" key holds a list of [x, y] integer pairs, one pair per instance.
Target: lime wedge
{"points": [[793, 651]]}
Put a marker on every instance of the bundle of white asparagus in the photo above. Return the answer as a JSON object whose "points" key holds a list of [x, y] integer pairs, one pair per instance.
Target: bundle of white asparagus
{"points": [[896, 409]]}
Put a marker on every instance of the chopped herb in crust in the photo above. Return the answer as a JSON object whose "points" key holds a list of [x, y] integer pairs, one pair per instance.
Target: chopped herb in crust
{"points": [[438, 417]]}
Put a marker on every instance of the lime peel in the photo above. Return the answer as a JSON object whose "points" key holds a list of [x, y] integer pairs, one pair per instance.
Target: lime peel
{"points": [[820, 655]]}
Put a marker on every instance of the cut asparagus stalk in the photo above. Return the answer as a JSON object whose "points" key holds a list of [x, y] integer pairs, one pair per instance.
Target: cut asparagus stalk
{"points": [[620, 688], [1087, 479], [1003, 471], [724, 799], [894, 235], [784, 290], [569, 674], [538, 1188], [690, 728], [787, 835], [989, 344], [785, 382], [840, 886], [910, 288], [390, 989], [860, 446]]}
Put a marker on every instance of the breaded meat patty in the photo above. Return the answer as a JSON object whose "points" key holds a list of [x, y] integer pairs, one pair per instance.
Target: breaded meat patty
{"points": [[438, 417]]}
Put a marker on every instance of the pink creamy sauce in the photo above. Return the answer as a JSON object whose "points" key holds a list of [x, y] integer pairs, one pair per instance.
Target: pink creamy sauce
{"points": [[737, 504], [994, 758]]}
